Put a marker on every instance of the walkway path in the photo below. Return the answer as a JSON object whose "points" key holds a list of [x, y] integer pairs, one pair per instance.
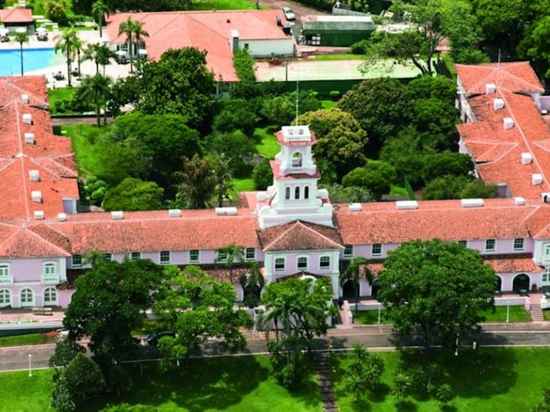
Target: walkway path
{"points": [[322, 368]]}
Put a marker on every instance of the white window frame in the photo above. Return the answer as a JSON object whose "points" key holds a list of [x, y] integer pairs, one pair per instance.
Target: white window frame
{"points": [[519, 249], [46, 276], [321, 267], [8, 303], [275, 264], [348, 255], [5, 267], [164, 262], [297, 156], [134, 256], [298, 268], [221, 256], [380, 253], [55, 302], [494, 245], [76, 265], [27, 304], [248, 249], [198, 259]]}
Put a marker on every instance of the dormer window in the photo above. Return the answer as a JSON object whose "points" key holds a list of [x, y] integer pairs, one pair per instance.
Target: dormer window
{"points": [[296, 159]]}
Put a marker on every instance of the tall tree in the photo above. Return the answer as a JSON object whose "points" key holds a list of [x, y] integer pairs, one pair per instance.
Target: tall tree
{"points": [[134, 194], [356, 270], [100, 54], [228, 257], [67, 45], [110, 302], [197, 183], [21, 37], [134, 32], [99, 10], [96, 90], [223, 176], [196, 308], [436, 289]]}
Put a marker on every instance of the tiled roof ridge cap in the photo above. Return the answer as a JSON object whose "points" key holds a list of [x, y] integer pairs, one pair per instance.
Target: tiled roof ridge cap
{"points": [[319, 233], [9, 82], [36, 161], [42, 239], [283, 233], [145, 218]]}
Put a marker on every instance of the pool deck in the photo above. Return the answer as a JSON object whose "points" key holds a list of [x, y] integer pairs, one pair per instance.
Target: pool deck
{"points": [[114, 70]]}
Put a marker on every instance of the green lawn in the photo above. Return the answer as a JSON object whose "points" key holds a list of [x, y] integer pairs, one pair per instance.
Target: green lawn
{"points": [[500, 380], [234, 384], [328, 104], [245, 184], [223, 4], [60, 96], [517, 314], [21, 340], [87, 148], [268, 146], [339, 56], [546, 314]]}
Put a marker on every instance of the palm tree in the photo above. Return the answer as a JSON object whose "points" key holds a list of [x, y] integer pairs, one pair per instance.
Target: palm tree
{"points": [[100, 54], [354, 272], [134, 33], [21, 37], [99, 11], [96, 89], [66, 45], [228, 256], [78, 47]]}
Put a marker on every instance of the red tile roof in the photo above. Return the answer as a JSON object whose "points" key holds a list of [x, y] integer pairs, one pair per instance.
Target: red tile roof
{"points": [[496, 150], [151, 231], [299, 236], [515, 77], [16, 15], [50, 155], [205, 30], [445, 220], [20, 242]]}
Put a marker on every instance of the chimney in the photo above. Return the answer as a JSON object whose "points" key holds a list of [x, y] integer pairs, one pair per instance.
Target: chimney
{"points": [[36, 196], [234, 41], [117, 215], [498, 104], [39, 214], [61, 217], [536, 179], [25, 99], [526, 158], [490, 88], [34, 175], [27, 118], [174, 213], [508, 123], [355, 207], [519, 201], [29, 138]]}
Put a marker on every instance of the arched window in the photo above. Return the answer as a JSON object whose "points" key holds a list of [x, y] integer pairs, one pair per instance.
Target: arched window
{"points": [[50, 296], [297, 193], [306, 192], [5, 297], [296, 159], [27, 297], [287, 193]]}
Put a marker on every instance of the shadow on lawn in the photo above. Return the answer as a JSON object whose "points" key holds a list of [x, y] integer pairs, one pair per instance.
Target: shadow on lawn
{"points": [[207, 384]]}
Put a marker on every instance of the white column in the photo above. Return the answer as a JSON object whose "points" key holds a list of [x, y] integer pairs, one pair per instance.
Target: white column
{"points": [[335, 281]]}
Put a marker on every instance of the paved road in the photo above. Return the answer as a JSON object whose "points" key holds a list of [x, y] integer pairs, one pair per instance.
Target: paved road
{"points": [[299, 9], [376, 339]]}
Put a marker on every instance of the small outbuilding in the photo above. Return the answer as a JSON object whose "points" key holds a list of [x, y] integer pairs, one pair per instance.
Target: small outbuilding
{"points": [[17, 18], [337, 31]]}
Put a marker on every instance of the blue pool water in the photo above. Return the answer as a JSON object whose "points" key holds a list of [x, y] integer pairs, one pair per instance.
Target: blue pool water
{"points": [[33, 59]]}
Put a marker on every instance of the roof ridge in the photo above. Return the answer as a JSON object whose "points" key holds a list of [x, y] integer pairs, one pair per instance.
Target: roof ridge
{"points": [[319, 233], [285, 231], [33, 233]]}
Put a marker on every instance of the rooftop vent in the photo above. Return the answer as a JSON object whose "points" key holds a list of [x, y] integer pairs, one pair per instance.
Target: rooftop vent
{"points": [[519, 201], [25, 99], [490, 88], [472, 203], [36, 196], [526, 158], [118, 215], [508, 122], [27, 118], [29, 138], [406, 204], [34, 175], [498, 104], [62, 217], [545, 197], [226, 211], [174, 213], [355, 207], [39, 214], [536, 179]]}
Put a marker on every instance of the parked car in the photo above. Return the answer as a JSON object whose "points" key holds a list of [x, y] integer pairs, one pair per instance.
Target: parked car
{"points": [[289, 14], [153, 338]]}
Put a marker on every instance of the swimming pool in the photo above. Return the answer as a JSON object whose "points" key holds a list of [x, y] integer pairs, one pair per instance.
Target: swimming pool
{"points": [[33, 59]]}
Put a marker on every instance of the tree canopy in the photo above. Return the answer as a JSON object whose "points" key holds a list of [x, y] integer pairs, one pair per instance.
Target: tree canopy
{"points": [[420, 293], [134, 194]]}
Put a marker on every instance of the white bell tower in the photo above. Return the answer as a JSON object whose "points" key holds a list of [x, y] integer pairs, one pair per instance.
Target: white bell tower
{"points": [[294, 194]]}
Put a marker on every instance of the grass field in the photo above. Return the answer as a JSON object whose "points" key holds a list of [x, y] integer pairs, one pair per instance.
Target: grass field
{"points": [[234, 385], [517, 314], [502, 380], [339, 56], [87, 148], [546, 314], [21, 340], [268, 146], [56, 96]]}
